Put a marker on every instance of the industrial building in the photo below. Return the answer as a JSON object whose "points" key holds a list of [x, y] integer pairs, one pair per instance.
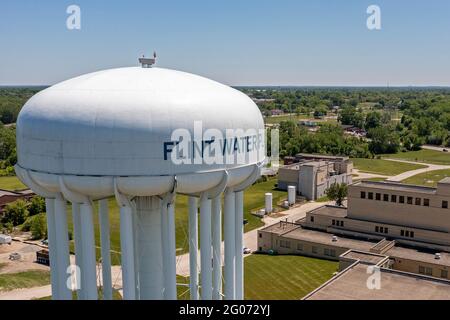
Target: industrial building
{"points": [[312, 174], [409, 225]]}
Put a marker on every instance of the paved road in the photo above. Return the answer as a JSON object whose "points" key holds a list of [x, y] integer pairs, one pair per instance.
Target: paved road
{"points": [[434, 148], [409, 174]]}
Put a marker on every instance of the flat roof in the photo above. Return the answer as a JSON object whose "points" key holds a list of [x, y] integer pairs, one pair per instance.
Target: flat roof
{"points": [[331, 211], [417, 255], [319, 237], [351, 284], [384, 185]]}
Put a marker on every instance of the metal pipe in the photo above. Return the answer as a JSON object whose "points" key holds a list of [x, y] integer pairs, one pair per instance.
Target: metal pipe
{"points": [[88, 244], [51, 232], [62, 249], [77, 233], [205, 248], [127, 249], [165, 246], [105, 249], [230, 246], [171, 270], [193, 248], [216, 243], [239, 262]]}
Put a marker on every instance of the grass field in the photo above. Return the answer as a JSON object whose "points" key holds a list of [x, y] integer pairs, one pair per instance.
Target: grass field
{"points": [[384, 167], [11, 183], [427, 156], [284, 277], [428, 179], [28, 279], [278, 119]]}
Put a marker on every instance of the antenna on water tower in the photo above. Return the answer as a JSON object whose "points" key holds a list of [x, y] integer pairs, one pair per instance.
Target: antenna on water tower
{"points": [[147, 62]]}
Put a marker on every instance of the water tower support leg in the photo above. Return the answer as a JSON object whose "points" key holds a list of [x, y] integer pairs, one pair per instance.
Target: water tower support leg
{"points": [[62, 249], [217, 242], [77, 233], [152, 270], [230, 246], [193, 248], [89, 262], [127, 248], [51, 231], [205, 247], [171, 287], [105, 249], [239, 197]]}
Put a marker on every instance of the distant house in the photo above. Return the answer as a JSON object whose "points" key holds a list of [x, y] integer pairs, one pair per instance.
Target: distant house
{"points": [[276, 112], [7, 197]]}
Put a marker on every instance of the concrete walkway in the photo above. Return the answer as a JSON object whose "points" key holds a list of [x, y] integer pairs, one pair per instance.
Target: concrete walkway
{"points": [[409, 174]]}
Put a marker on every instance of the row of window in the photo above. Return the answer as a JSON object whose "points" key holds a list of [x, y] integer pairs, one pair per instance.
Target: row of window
{"points": [[338, 223], [399, 199], [429, 272], [403, 233], [326, 252]]}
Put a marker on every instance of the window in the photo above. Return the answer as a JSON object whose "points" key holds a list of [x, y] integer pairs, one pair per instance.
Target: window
{"points": [[425, 270], [329, 252], [393, 198], [426, 202], [377, 229], [418, 201], [444, 274], [333, 222], [401, 199], [370, 195], [363, 195], [299, 247], [402, 233], [385, 197], [285, 244], [445, 204], [407, 233], [311, 218], [386, 230], [410, 200], [314, 250], [411, 234], [260, 235], [260, 248], [378, 196]]}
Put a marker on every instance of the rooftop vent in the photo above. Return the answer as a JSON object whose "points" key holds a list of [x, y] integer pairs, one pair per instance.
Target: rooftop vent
{"points": [[437, 256], [334, 238]]}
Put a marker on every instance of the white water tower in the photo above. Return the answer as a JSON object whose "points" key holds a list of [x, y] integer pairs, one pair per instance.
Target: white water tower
{"points": [[111, 134]]}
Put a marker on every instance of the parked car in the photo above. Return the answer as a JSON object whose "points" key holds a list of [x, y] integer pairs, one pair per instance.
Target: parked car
{"points": [[247, 251], [14, 256]]}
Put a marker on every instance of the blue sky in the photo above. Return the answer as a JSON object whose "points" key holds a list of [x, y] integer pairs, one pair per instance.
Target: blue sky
{"points": [[251, 42]]}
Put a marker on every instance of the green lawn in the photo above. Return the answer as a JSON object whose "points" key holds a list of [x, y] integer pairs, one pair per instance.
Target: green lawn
{"points": [[427, 156], [384, 167], [284, 277], [11, 183], [429, 179], [28, 279]]}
